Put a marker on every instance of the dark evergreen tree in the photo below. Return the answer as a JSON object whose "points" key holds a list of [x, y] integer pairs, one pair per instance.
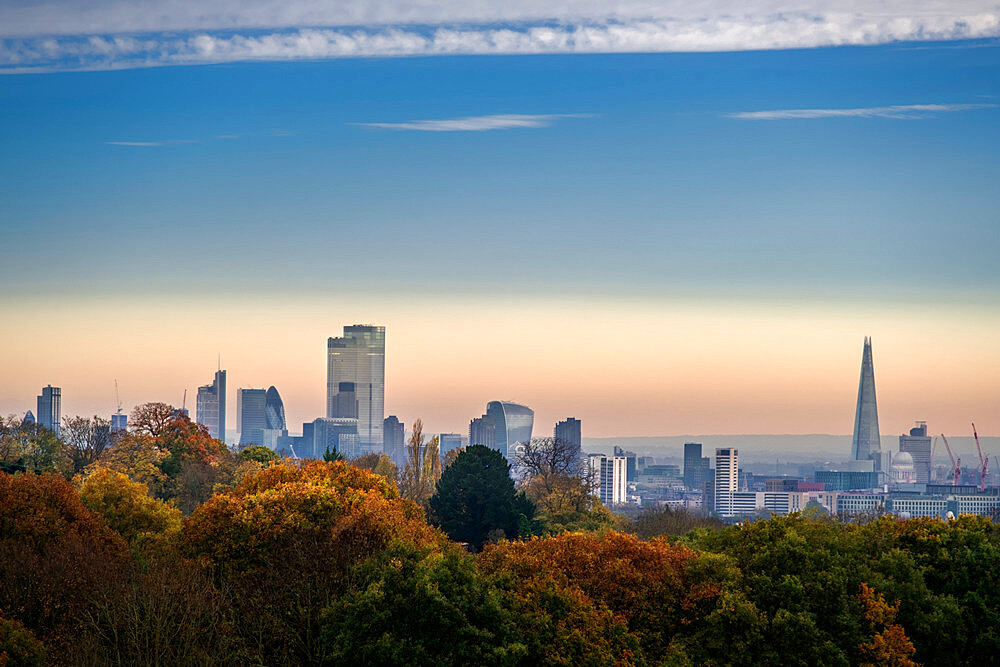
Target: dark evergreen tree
{"points": [[476, 498]]}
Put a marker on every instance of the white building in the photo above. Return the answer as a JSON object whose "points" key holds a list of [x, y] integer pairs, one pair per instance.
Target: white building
{"points": [[726, 480], [609, 477]]}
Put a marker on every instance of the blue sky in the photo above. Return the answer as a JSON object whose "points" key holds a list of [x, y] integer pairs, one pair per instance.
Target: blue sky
{"points": [[648, 183], [216, 181]]}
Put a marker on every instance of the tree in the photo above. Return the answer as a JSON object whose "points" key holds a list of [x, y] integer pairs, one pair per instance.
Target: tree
{"points": [[30, 446], [151, 418], [380, 464], [476, 497], [332, 455], [259, 453], [18, 646], [86, 439], [138, 456], [423, 466], [656, 521], [127, 507]]}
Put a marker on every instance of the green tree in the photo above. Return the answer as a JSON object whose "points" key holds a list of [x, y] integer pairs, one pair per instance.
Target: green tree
{"points": [[33, 447], [259, 453], [332, 455], [476, 497], [18, 647]]}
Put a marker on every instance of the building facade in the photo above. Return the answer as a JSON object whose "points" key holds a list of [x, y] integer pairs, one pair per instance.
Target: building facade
{"points": [[726, 481], [569, 431], [251, 415], [866, 443], [210, 408], [393, 439], [483, 431], [918, 445], [609, 475], [697, 468], [512, 425], [49, 408], [359, 358], [449, 441]]}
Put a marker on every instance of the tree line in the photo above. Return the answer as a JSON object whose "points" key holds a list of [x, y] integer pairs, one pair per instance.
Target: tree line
{"points": [[167, 548]]}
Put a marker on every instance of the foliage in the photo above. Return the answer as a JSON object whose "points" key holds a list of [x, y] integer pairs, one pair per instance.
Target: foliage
{"points": [[332, 455], [259, 453], [654, 522], [421, 607], [889, 646], [476, 496], [423, 466], [31, 447], [139, 457], [380, 464], [86, 439], [150, 418], [18, 647], [127, 507]]}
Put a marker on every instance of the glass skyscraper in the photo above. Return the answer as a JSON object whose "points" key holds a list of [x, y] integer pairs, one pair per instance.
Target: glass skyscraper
{"points": [[211, 406], [513, 423], [359, 358], [251, 409], [569, 431], [49, 408], [866, 444]]}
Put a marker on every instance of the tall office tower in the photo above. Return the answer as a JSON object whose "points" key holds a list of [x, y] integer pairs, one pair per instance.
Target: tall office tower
{"points": [[393, 439], [568, 431], [631, 467], [726, 479], [448, 442], [49, 408], [334, 433], [609, 477], [918, 444], [211, 405], [359, 357], [697, 468], [482, 431], [119, 422], [345, 403], [251, 415], [512, 423], [866, 444], [274, 417]]}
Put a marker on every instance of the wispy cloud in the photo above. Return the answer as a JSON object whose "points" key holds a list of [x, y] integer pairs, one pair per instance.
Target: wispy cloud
{"points": [[476, 123], [115, 34], [135, 143], [896, 111]]}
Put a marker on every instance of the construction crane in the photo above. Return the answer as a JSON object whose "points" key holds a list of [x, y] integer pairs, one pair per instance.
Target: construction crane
{"points": [[984, 463], [118, 400], [956, 464]]}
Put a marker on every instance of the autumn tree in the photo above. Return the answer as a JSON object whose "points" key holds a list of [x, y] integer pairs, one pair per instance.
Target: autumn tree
{"points": [[138, 456], [889, 646], [86, 439], [380, 464], [423, 466], [30, 447], [476, 497], [150, 418], [18, 646], [127, 507]]}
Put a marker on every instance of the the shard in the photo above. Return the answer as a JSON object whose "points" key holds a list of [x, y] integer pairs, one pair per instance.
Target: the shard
{"points": [[866, 444]]}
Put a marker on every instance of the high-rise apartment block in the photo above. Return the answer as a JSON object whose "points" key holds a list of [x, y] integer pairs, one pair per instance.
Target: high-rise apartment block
{"points": [[251, 411], [568, 431], [211, 406], [697, 468], [49, 408], [866, 444], [726, 480], [918, 445], [359, 358], [609, 475], [393, 439]]}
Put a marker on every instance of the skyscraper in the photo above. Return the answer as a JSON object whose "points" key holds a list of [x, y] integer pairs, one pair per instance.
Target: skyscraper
{"points": [[345, 403], [696, 466], [726, 479], [49, 408], [448, 442], [359, 357], [866, 444], [393, 437], [251, 410], [211, 406], [119, 422], [513, 423], [918, 445], [482, 431], [610, 474], [569, 432]]}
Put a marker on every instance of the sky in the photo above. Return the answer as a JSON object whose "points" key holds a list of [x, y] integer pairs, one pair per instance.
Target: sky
{"points": [[661, 218]]}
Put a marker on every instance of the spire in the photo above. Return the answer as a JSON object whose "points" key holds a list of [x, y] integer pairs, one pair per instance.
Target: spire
{"points": [[866, 442]]}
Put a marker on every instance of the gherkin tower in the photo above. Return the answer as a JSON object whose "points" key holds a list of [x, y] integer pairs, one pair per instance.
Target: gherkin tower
{"points": [[866, 443]]}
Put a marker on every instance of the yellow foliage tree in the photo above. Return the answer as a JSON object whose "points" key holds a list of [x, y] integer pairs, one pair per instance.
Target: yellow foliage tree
{"points": [[127, 507]]}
